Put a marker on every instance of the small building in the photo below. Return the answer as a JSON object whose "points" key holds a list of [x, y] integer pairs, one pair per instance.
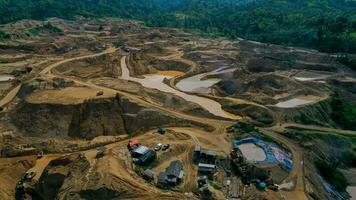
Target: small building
{"points": [[206, 168], [209, 154], [139, 151], [172, 176], [149, 175], [204, 155], [146, 158]]}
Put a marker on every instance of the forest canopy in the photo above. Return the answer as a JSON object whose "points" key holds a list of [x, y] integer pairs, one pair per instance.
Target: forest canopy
{"points": [[326, 25]]}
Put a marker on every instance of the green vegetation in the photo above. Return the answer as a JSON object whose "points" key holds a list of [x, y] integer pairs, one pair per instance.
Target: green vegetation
{"points": [[242, 127], [348, 61], [328, 25], [48, 27], [118, 43], [331, 174], [215, 185], [342, 147], [3, 35], [349, 158], [343, 112], [306, 119]]}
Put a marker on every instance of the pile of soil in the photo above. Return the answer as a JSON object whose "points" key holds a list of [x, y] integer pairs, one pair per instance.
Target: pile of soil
{"points": [[89, 68]]}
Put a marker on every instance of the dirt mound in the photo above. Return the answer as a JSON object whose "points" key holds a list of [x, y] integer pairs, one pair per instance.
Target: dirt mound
{"points": [[265, 65], [256, 114], [91, 118], [316, 114], [101, 66], [155, 50], [81, 176], [170, 65], [59, 172], [139, 64], [11, 169], [266, 88]]}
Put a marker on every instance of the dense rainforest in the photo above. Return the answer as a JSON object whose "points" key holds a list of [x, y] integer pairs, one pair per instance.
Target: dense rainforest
{"points": [[326, 25]]}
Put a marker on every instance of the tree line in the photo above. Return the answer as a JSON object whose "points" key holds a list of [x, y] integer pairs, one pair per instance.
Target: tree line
{"points": [[326, 25]]}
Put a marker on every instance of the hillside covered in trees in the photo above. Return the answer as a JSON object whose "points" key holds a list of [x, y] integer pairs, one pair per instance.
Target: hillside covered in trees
{"points": [[327, 25]]}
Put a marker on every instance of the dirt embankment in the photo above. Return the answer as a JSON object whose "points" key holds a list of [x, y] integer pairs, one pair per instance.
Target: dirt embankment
{"points": [[257, 115], [81, 176], [139, 64], [314, 114], [11, 169], [267, 88], [101, 66], [91, 118], [170, 65]]}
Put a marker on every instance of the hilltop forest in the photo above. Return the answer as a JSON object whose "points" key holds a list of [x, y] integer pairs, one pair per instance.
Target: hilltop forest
{"points": [[326, 25]]}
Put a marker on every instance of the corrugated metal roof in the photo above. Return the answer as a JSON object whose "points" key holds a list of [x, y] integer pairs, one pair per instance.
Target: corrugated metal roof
{"points": [[203, 165], [197, 148], [175, 168], [208, 152], [141, 150]]}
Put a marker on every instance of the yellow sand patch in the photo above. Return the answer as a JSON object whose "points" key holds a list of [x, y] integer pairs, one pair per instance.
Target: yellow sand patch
{"points": [[69, 95], [170, 73]]}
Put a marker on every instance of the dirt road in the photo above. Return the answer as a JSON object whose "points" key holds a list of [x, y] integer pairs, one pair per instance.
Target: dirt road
{"points": [[297, 173], [314, 128], [9, 96], [50, 67]]}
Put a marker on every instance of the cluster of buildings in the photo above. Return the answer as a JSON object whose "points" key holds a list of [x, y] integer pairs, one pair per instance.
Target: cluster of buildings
{"points": [[172, 175], [141, 155], [206, 161]]}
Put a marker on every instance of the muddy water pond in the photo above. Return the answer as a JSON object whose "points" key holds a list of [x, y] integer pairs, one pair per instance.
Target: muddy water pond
{"points": [[155, 81], [312, 76], [196, 84], [352, 192], [293, 103], [252, 152], [5, 78]]}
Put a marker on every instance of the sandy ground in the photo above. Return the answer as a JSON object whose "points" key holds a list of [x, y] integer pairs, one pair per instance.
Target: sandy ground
{"points": [[182, 140], [11, 169], [69, 95]]}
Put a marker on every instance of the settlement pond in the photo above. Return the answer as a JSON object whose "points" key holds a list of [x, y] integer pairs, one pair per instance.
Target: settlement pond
{"points": [[252, 152], [155, 81], [197, 84], [298, 101], [5, 78]]}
